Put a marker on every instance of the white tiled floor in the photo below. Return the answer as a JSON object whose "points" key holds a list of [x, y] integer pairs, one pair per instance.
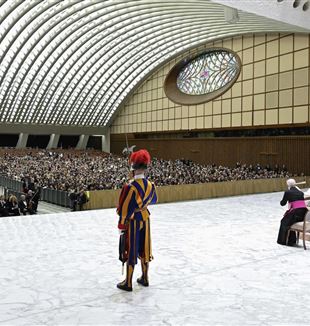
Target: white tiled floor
{"points": [[216, 262]]}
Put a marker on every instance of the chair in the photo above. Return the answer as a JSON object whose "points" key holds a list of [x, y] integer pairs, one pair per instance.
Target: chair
{"points": [[303, 227]]}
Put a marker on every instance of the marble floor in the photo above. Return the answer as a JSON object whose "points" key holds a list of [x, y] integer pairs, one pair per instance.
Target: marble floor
{"points": [[48, 208], [216, 263]]}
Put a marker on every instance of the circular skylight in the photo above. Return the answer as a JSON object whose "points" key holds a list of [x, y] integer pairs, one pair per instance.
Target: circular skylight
{"points": [[208, 73], [202, 78]]}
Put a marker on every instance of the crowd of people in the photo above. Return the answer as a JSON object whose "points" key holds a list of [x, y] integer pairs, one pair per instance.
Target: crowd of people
{"points": [[175, 172], [75, 171]]}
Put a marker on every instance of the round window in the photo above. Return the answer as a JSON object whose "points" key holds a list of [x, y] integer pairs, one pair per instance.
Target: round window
{"points": [[203, 77]]}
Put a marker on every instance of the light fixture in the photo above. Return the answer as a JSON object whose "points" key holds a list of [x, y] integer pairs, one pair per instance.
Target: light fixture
{"points": [[231, 15]]}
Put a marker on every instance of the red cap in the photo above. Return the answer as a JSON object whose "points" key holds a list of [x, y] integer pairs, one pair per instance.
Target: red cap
{"points": [[140, 159]]}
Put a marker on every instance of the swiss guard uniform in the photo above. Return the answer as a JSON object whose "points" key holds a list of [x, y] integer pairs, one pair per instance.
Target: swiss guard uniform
{"points": [[134, 222], [296, 212]]}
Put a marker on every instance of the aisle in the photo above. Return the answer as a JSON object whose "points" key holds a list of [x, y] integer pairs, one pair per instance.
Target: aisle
{"points": [[216, 262]]}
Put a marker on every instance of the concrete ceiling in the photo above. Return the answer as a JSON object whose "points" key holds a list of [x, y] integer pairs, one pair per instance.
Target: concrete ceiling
{"points": [[73, 63]]}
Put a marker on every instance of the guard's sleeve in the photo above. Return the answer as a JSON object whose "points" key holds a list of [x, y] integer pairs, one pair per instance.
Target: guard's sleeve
{"points": [[127, 206], [154, 198], [122, 197]]}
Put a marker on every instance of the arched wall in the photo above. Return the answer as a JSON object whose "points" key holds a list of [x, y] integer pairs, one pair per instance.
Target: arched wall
{"points": [[272, 89]]}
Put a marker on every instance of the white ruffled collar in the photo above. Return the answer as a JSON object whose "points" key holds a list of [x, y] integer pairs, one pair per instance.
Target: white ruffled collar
{"points": [[139, 176]]}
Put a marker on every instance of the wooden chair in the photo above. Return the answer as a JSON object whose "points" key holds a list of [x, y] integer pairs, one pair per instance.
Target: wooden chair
{"points": [[303, 227]]}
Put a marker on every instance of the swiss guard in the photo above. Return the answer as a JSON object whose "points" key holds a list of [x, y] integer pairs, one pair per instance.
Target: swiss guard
{"points": [[134, 222]]}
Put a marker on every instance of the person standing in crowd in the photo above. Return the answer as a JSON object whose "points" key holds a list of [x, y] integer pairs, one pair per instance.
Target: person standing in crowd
{"points": [[296, 212], [73, 199], [28, 184], [81, 199], [36, 198], [134, 221], [30, 202]]}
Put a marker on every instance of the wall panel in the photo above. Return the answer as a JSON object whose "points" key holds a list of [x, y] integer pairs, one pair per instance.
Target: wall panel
{"points": [[292, 151], [109, 198], [269, 63]]}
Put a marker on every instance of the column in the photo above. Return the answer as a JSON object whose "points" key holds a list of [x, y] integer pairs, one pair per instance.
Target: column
{"points": [[106, 141], [82, 142], [53, 143], [22, 141]]}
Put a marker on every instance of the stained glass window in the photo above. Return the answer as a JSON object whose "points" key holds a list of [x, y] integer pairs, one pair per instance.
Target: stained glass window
{"points": [[208, 72]]}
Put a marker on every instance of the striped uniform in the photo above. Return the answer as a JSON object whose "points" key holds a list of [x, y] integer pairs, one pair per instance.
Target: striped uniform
{"points": [[133, 212]]}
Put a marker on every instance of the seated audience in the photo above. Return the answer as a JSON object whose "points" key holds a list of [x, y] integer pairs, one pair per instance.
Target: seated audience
{"points": [[31, 204], [23, 205], [13, 208], [93, 170], [3, 207]]}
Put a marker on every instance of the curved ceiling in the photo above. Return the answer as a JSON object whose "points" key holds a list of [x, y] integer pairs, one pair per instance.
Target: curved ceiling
{"points": [[74, 62]]}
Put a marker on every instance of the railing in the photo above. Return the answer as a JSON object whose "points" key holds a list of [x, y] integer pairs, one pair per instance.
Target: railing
{"points": [[169, 194], [15, 187], [15, 193], [11, 184], [109, 198], [56, 197]]}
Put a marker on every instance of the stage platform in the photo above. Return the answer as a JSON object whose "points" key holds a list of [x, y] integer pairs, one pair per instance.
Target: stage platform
{"points": [[216, 263]]}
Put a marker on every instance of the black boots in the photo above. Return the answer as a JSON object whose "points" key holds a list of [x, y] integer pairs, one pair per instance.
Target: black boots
{"points": [[144, 280], [126, 285]]}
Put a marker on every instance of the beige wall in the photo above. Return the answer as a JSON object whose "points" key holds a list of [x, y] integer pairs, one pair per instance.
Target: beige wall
{"points": [[167, 194], [273, 88]]}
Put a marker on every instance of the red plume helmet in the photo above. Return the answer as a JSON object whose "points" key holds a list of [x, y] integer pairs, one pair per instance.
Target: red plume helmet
{"points": [[140, 159]]}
